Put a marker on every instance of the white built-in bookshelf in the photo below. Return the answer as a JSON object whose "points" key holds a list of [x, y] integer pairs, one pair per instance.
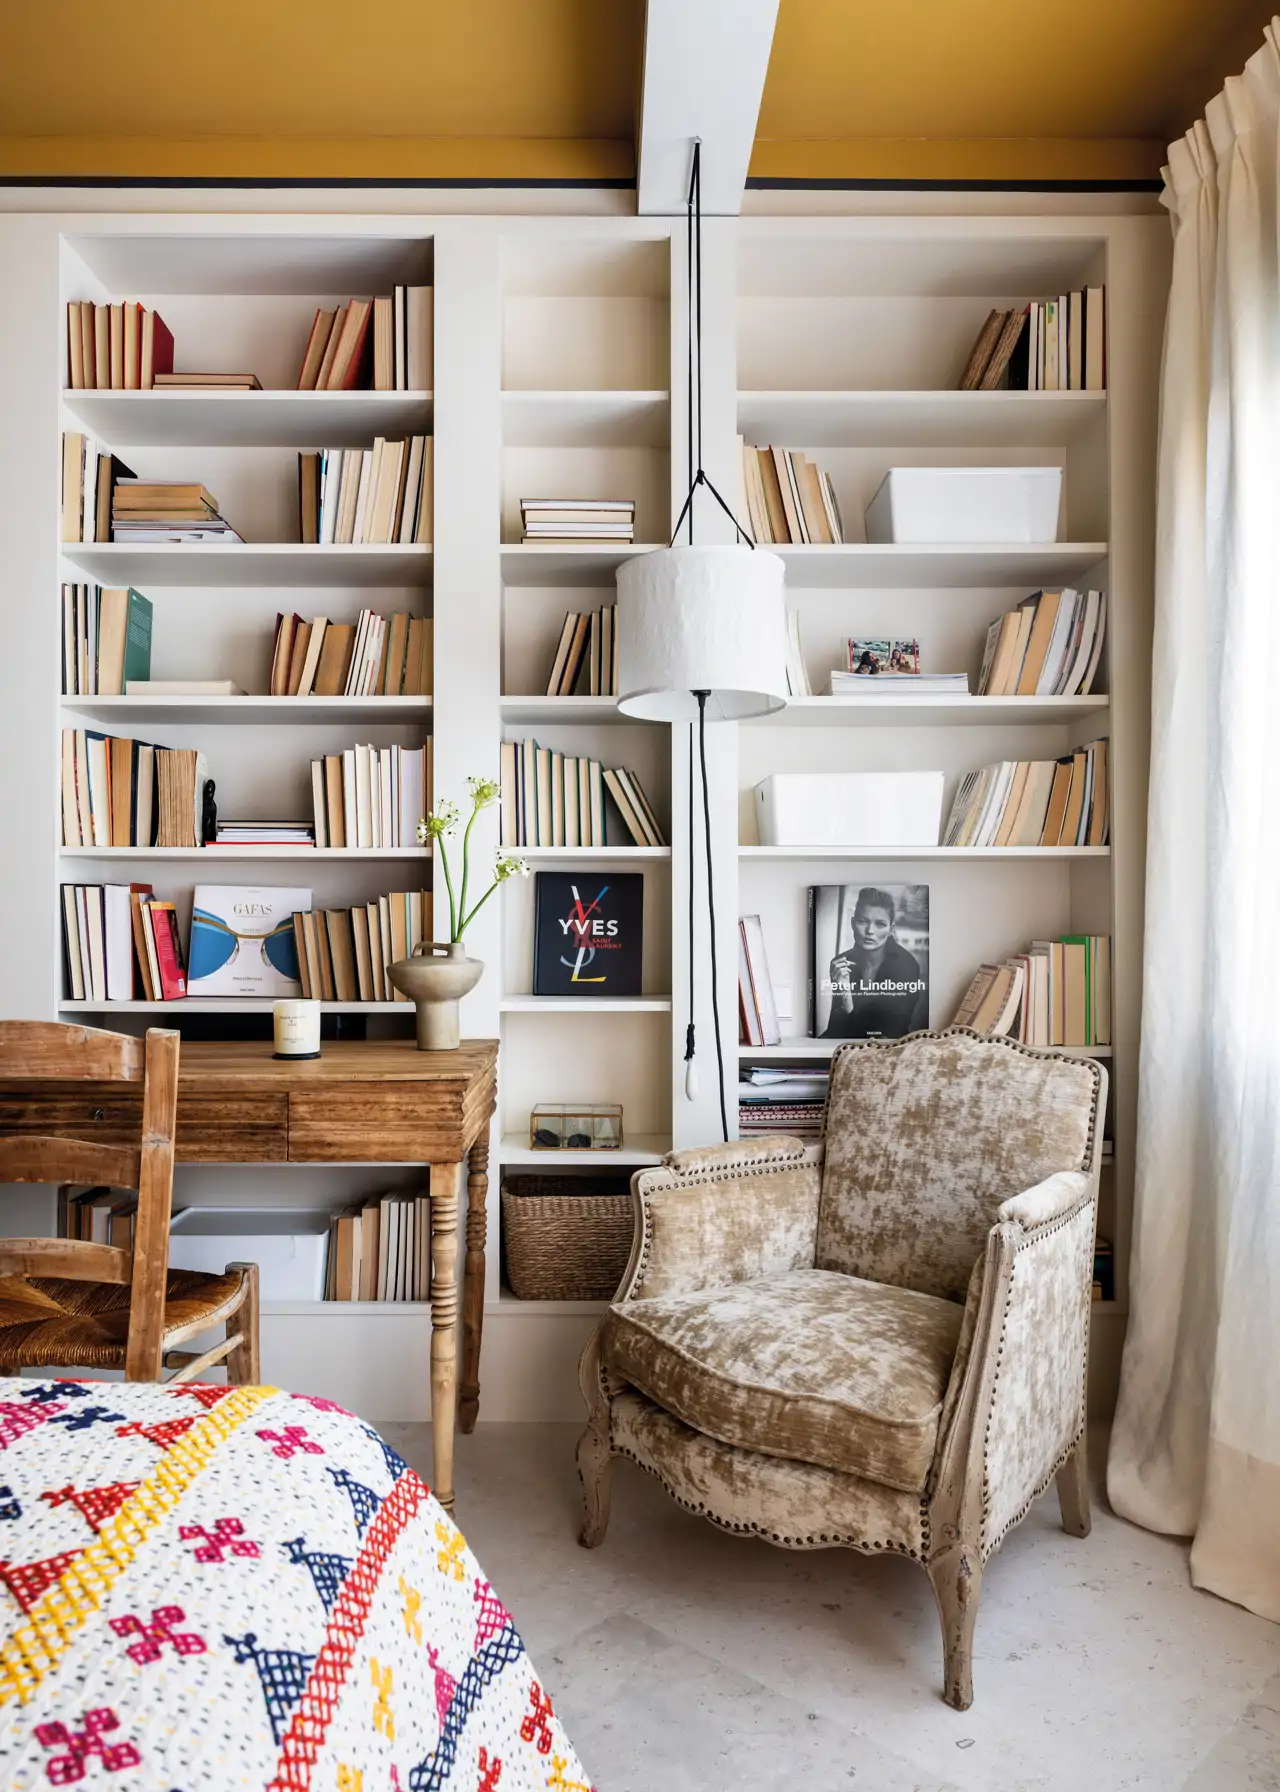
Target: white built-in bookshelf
{"points": [[559, 371]]}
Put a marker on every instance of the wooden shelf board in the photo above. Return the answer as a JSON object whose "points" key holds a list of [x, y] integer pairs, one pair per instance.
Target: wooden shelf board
{"points": [[533, 710], [266, 854], [222, 418], [570, 563], [641, 1148], [910, 853], [225, 1005], [925, 711], [917, 419], [237, 565], [237, 711], [508, 1305], [585, 1005], [592, 855], [902, 566], [586, 419]]}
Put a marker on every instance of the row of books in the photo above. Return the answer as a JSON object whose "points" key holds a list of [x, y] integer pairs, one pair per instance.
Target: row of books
{"points": [[758, 1022], [1057, 992], [588, 643], [117, 347], [1038, 802], [368, 797], [177, 510], [551, 799], [376, 656], [1050, 345], [782, 1100], [343, 953], [578, 519], [106, 639], [121, 792], [789, 498], [378, 494], [380, 1250], [1050, 646], [383, 342], [108, 929], [89, 476]]}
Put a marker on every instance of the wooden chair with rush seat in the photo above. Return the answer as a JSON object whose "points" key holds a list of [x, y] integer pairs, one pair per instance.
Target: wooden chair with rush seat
{"points": [[86, 1107]]}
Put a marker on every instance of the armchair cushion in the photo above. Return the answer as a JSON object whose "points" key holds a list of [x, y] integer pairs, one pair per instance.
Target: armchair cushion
{"points": [[818, 1367]]}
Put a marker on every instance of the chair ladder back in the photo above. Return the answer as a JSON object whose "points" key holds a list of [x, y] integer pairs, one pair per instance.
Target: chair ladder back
{"points": [[155, 1205], [42, 1157], [51, 1051]]}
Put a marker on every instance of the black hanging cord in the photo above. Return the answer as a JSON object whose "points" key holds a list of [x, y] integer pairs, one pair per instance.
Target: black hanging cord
{"points": [[711, 906], [689, 1031]]}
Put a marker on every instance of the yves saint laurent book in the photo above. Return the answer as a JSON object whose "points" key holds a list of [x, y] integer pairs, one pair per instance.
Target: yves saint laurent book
{"points": [[588, 937], [868, 960]]}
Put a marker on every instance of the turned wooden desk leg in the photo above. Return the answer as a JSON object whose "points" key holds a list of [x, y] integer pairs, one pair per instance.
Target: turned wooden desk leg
{"points": [[444, 1325], [473, 1281]]}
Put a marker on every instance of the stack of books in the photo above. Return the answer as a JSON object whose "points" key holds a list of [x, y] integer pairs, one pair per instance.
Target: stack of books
{"points": [[1049, 646], [208, 382], [119, 792], [381, 1250], [1041, 802], [1057, 992], [378, 494], [384, 343], [167, 510], [106, 639], [262, 832], [89, 477], [789, 498], [98, 1215], [121, 942], [343, 953], [368, 797], [1051, 345], [123, 347], [758, 1022], [377, 656], [578, 519], [551, 799], [588, 641], [782, 1100]]}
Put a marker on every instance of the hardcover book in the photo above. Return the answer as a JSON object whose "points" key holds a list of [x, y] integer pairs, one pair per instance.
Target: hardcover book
{"points": [[242, 941], [588, 934], [868, 960]]}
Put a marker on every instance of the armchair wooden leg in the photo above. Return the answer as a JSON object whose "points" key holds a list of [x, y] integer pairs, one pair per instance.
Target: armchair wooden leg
{"points": [[956, 1575], [244, 1368], [595, 1458], [1073, 1493]]}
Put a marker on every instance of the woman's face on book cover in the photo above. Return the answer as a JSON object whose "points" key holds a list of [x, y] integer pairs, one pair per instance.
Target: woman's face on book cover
{"points": [[871, 928]]}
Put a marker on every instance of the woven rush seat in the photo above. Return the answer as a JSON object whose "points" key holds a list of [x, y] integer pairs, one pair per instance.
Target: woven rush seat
{"points": [[47, 1321]]}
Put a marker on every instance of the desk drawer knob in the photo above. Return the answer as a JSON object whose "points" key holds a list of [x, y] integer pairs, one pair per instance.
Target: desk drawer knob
{"points": [[99, 1113]]}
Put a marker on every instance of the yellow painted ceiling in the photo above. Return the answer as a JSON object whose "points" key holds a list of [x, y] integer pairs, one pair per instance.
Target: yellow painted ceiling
{"points": [[385, 89]]}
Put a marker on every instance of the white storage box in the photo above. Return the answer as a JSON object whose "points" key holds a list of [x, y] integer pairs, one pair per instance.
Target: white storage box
{"points": [[850, 808], [950, 504], [286, 1243]]}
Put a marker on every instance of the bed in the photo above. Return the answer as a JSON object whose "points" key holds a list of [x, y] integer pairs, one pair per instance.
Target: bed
{"points": [[206, 1588]]}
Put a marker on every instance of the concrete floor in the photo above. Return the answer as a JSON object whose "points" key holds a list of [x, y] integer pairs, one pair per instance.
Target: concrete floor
{"points": [[685, 1660]]}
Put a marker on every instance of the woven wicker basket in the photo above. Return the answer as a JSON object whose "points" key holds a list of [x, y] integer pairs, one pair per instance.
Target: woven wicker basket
{"points": [[566, 1237]]}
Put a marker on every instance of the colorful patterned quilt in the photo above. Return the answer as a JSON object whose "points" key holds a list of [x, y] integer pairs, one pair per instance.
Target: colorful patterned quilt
{"points": [[207, 1588]]}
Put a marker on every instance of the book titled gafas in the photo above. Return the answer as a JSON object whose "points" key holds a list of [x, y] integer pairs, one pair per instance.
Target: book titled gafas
{"points": [[242, 941], [588, 933]]}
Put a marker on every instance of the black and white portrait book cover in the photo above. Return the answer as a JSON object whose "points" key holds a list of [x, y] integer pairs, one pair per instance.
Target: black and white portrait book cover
{"points": [[588, 933], [868, 960]]}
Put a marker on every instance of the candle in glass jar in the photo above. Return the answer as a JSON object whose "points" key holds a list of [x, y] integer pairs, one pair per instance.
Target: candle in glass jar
{"points": [[297, 1029]]}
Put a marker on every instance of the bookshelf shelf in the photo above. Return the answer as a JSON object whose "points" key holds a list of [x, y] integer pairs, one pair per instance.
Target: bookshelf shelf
{"points": [[211, 855], [118, 712], [240, 565], [595, 419], [230, 419], [226, 1005], [590, 855], [791, 1049], [534, 710], [574, 563], [909, 711], [902, 566], [918, 419], [585, 1005], [509, 1305], [907, 855], [641, 1148]]}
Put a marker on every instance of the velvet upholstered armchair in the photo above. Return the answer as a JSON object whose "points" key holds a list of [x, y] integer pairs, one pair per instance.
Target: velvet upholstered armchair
{"points": [[879, 1342]]}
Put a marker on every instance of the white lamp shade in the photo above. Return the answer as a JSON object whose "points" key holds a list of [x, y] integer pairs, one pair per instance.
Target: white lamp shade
{"points": [[701, 619]]}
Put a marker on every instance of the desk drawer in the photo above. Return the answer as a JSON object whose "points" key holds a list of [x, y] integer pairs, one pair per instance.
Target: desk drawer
{"points": [[375, 1123], [230, 1129], [110, 1118]]}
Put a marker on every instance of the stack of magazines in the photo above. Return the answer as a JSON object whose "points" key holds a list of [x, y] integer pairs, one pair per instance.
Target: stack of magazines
{"points": [[781, 1099], [158, 510], [578, 519], [880, 667]]}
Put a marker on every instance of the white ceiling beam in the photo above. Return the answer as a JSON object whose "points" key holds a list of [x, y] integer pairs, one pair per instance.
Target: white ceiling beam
{"points": [[704, 68]]}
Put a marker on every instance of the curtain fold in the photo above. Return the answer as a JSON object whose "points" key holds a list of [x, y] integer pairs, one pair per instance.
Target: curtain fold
{"points": [[1195, 1448]]}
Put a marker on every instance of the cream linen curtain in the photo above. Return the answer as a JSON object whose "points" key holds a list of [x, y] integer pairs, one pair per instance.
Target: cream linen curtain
{"points": [[1195, 1448]]}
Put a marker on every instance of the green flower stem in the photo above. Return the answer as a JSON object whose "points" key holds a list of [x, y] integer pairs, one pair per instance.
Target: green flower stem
{"points": [[455, 932], [479, 905], [466, 866]]}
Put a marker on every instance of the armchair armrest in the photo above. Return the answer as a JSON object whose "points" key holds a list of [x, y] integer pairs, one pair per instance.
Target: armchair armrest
{"points": [[723, 1213], [1056, 1195]]}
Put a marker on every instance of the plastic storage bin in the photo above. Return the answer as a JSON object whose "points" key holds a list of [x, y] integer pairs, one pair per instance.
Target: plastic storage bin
{"points": [[850, 808], [926, 505], [286, 1243]]}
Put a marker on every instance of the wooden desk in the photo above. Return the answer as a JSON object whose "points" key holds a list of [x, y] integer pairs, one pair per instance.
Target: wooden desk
{"points": [[363, 1101]]}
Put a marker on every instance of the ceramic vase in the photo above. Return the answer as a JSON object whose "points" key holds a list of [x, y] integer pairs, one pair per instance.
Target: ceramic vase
{"points": [[435, 978]]}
